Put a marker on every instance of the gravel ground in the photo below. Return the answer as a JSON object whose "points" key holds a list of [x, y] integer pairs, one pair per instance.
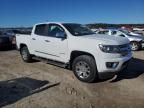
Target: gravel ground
{"points": [[40, 85]]}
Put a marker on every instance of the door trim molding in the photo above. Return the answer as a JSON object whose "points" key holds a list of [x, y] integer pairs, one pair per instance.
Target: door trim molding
{"points": [[46, 53]]}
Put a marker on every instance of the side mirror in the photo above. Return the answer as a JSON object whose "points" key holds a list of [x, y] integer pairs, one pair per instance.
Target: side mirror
{"points": [[61, 35], [122, 35]]}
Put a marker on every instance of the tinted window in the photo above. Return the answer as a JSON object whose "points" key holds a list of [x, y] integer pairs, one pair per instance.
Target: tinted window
{"points": [[117, 33], [125, 32], [55, 29], [113, 32], [42, 30], [103, 32]]}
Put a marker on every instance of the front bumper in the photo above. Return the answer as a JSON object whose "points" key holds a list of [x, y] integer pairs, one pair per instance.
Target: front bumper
{"points": [[105, 72]]}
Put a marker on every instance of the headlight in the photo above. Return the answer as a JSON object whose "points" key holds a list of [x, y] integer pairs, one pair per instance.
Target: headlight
{"points": [[109, 48]]}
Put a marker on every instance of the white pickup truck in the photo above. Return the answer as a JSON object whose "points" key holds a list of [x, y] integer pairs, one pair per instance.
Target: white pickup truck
{"points": [[89, 55]]}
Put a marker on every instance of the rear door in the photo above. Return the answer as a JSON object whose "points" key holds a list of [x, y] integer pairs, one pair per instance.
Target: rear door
{"points": [[38, 39]]}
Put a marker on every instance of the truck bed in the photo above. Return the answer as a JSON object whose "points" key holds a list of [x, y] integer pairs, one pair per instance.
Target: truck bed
{"points": [[22, 38]]}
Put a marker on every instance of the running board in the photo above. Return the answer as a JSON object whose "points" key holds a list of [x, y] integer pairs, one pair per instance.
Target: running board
{"points": [[52, 62]]}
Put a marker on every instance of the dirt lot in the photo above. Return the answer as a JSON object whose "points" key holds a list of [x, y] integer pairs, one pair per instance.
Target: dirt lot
{"points": [[40, 85]]}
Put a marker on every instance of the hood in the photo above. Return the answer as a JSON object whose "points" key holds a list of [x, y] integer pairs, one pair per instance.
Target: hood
{"points": [[107, 39]]}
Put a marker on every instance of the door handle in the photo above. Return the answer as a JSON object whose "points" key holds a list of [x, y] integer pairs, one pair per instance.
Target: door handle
{"points": [[33, 39], [47, 41]]}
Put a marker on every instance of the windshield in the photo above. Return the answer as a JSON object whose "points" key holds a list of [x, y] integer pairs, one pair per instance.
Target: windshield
{"points": [[125, 31], [78, 29]]}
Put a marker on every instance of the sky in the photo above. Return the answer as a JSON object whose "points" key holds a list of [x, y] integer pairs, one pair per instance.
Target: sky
{"points": [[21, 13]]}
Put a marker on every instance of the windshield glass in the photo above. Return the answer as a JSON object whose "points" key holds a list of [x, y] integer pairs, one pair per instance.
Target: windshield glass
{"points": [[78, 29], [125, 31]]}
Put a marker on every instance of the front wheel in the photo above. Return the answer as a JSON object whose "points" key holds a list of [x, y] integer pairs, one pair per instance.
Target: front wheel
{"points": [[25, 54], [84, 68], [135, 46]]}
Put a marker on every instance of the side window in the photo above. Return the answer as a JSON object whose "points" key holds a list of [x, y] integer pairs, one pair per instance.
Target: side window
{"points": [[99, 32], [106, 32], [103, 32], [55, 30], [113, 33], [41, 30]]}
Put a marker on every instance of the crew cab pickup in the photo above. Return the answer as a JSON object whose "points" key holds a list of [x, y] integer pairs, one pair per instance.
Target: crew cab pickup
{"points": [[71, 45]]}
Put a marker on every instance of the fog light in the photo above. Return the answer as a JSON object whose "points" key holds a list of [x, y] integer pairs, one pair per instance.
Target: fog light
{"points": [[112, 64]]}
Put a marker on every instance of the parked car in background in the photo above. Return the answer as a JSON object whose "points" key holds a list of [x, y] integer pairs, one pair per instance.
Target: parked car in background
{"points": [[5, 41], [131, 32], [89, 55], [138, 29], [140, 32], [136, 41], [11, 34]]}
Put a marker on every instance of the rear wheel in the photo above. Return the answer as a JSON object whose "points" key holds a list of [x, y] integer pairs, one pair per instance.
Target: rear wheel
{"points": [[25, 54], [135, 46], [84, 68]]}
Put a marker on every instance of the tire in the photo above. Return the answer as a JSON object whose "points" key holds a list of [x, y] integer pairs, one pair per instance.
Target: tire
{"points": [[135, 46], [25, 54], [84, 68]]}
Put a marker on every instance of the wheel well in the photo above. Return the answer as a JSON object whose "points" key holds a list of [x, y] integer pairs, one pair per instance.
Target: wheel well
{"points": [[75, 54], [22, 45]]}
